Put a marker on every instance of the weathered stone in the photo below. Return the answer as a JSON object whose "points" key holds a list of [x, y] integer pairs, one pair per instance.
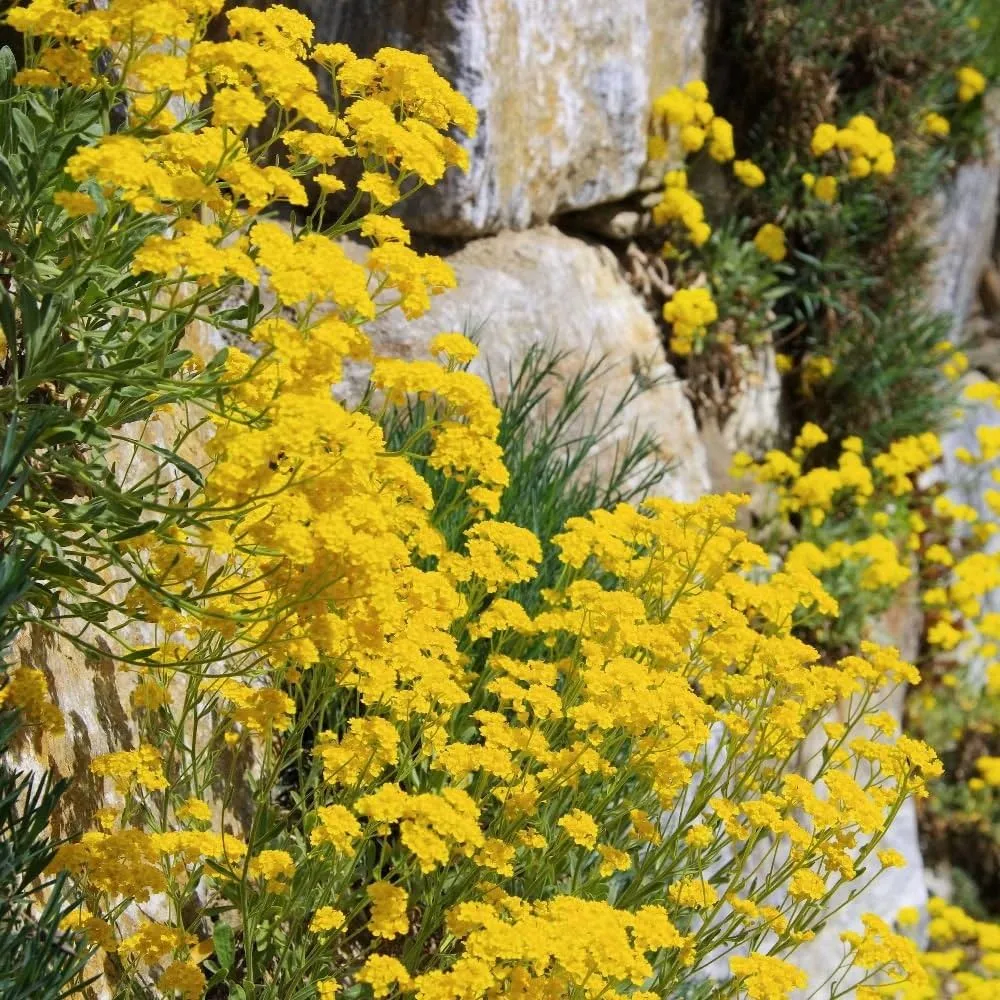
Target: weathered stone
{"points": [[751, 421], [563, 89], [989, 289], [965, 223], [517, 290]]}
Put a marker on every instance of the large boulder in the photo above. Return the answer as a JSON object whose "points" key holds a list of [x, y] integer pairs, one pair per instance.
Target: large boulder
{"points": [[563, 89], [541, 287]]}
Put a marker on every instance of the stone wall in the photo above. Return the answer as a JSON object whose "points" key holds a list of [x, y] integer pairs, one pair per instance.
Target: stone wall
{"points": [[563, 87]]}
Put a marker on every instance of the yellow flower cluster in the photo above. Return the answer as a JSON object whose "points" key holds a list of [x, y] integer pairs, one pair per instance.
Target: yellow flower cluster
{"points": [[971, 83], [678, 204], [770, 241], [936, 125], [27, 691], [687, 109], [867, 150], [852, 523], [687, 113], [962, 958], [689, 312]]}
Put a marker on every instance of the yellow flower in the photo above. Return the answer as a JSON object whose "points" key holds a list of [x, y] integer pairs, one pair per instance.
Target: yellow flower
{"points": [[693, 892], [27, 690], [720, 140], [770, 241], [580, 828], [326, 919], [142, 767], [748, 173], [380, 972], [765, 977], [184, 978], [806, 884], [689, 311], [891, 859], [692, 138], [971, 83], [75, 203], [824, 139], [388, 917], [276, 868], [456, 346], [825, 189], [195, 809], [935, 124]]}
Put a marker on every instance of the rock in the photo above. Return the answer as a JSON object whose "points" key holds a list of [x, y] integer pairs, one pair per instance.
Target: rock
{"points": [[755, 418], [962, 236], [517, 290], [564, 92], [753, 421], [614, 221], [985, 356], [989, 289]]}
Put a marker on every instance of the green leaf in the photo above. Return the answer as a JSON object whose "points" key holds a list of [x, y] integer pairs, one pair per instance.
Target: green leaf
{"points": [[225, 946], [186, 467], [25, 130], [8, 64], [8, 178]]}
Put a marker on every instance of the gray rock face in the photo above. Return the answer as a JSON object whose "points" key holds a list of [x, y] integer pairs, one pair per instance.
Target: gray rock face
{"points": [[517, 290], [563, 88], [965, 224], [752, 422]]}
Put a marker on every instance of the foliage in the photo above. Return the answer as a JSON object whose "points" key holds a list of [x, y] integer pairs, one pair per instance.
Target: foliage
{"points": [[373, 755], [89, 356], [39, 959], [561, 464]]}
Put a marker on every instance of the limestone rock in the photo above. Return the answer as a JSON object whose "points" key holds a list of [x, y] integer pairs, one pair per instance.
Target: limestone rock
{"points": [[962, 237], [563, 88], [751, 422], [989, 289], [517, 290]]}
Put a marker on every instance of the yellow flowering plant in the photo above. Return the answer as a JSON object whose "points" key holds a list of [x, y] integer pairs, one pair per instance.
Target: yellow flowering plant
{"points": [[962, 956], [855, 523], [362, 762], [957, 707]]}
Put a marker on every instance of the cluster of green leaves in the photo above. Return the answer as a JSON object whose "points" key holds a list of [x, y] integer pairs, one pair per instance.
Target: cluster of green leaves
{"points": [[857, 290], [747, 288], [88, 356], [551, 433], [38, 961]]}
